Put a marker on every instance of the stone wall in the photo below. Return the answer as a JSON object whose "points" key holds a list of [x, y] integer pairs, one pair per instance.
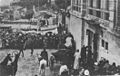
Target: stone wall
{"points": [[113, 52], [75, 27]]}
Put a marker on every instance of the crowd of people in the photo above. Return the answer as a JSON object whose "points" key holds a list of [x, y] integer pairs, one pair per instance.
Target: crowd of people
{"points": [[9, 65], [86, 62], [12, 40], [72, 63]]}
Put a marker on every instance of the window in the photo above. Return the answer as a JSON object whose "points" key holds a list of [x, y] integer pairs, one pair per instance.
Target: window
{"points": [[79, 9], [107, 4], [106, 16], [101, 33], [103, 43], [84, 1], [95, 3], [76, 5], [98, 4], [79, 2], [111, 4], [98, 14], [91, 3], [106, 45], [90, 12], [73, 2]]}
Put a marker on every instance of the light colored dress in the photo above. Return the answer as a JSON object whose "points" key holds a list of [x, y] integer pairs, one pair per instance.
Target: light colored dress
{"points": [[76, 62]]}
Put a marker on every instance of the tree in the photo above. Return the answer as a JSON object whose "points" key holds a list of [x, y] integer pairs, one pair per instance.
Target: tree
{"points": [[62, 4]]}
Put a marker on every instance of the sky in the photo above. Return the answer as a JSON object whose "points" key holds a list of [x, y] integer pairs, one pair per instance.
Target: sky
{"points": [[5, 2]]}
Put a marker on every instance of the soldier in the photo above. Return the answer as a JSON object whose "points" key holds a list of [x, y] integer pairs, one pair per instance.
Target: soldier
{"points": [[29, 42], [44, 55], [20, 44]]}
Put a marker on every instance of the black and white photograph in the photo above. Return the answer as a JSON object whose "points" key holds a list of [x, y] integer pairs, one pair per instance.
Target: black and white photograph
{"points": [[59, 37]]}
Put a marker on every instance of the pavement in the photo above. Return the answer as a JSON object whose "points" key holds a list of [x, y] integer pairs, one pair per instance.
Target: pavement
{"points": [[28, 65]]}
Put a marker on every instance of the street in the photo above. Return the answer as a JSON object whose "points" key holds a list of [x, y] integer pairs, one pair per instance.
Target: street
{"points": [[59, 37], [28, 65]]}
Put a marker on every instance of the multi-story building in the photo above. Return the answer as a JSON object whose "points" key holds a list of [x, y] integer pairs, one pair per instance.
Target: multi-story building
{"points": [[96, 23]]}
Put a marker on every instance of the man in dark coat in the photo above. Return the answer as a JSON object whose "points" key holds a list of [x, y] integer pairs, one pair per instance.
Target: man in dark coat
{"points": [[89, 60], [21, 44], [83, 54], [29, 43], [44, 55]]}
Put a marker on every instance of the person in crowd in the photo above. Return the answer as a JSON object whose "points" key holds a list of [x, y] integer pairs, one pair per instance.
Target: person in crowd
{"points": [[20, 44], [81, 72], [59, 28], [118, 69], [106, 68], [45, 42], [44, 55], [63, 70], [102, 62], [29, 42], [96, 69], [14, 63], [113, 68], [52, 61], [88, 56], [68, 43], [83, 54], [76, 61]]}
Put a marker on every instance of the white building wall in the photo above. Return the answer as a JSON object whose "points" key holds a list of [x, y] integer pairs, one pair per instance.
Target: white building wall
{"points": [[75, 28], [87, 26], [113, 52]]}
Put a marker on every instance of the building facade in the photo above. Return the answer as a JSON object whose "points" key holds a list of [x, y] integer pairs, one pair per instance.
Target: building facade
{"points": [[95, 23]]}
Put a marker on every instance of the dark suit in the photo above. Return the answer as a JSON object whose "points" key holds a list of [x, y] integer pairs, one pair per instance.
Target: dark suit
{"points": [[44, 55], [83, 54]]}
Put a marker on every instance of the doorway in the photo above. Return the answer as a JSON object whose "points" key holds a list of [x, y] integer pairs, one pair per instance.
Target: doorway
{"points": [[93, 40]]}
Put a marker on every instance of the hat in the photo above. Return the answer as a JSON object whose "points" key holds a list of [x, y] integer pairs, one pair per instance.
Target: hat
{"points": [[86, 72], [95, 63]]}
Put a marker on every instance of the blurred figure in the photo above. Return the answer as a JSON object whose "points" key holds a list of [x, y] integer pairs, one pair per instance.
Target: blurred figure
{"points": [[30, 44], [88, 58], [113, 68], [44, 55], [76, 62], [63, 70], [21, 44], [42, 67], [83, 54], [52, 61]]}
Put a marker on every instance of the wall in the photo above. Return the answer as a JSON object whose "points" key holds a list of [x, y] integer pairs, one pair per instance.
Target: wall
{"points": [[113, 52], [75, 28]]}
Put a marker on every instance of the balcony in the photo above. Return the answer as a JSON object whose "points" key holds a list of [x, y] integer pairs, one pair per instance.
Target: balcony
{"points": [[78, 14], [103, 23]]}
